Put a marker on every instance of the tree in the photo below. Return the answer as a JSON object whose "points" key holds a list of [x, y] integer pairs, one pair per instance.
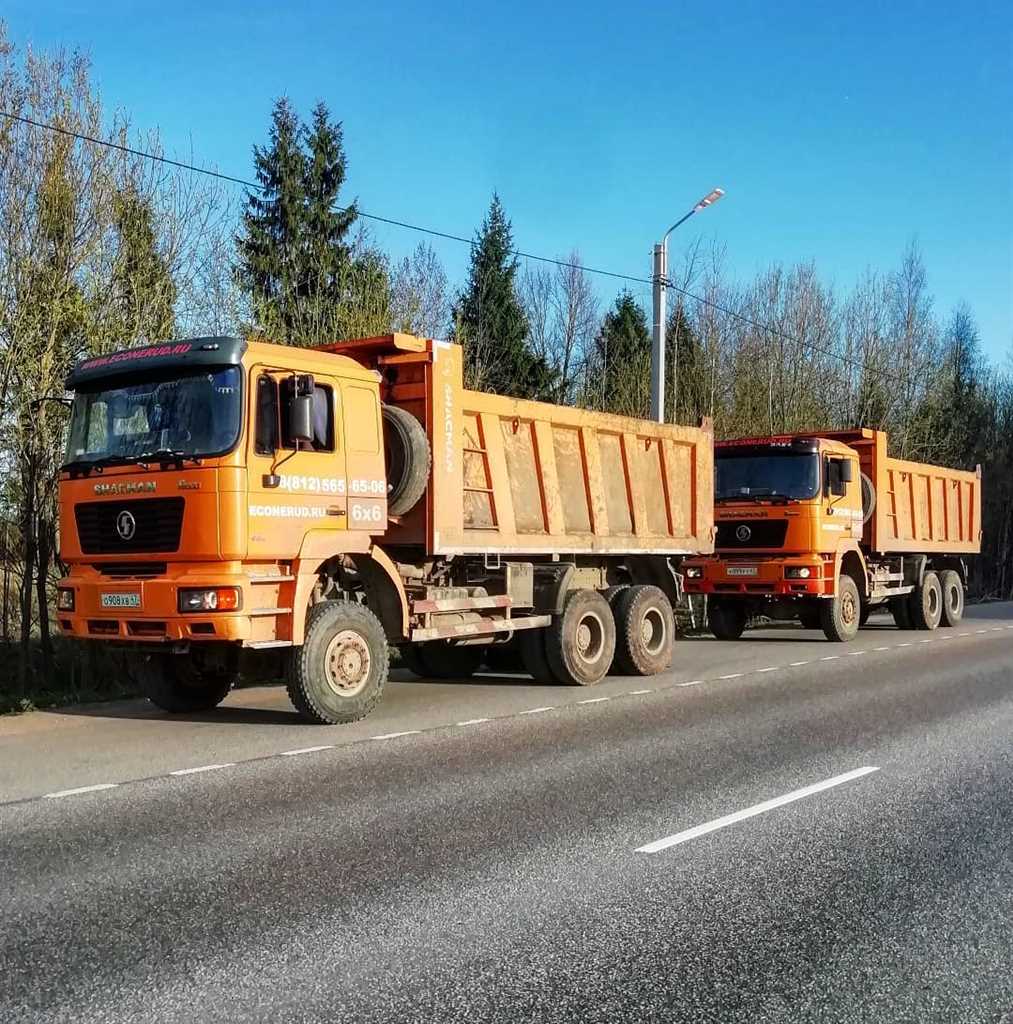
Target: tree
{"points": [[490, 321], [622, 371], [686, 366], [418, 295]]}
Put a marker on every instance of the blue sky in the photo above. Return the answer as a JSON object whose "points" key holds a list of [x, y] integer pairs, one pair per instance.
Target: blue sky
{"points": [[840, 131]]}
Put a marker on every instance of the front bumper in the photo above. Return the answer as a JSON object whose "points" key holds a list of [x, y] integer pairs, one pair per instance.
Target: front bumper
{"points": [[264, 614], [757, 577]]}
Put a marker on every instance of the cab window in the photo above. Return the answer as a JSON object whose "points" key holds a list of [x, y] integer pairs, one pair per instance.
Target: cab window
{"points": [[273, 403]]}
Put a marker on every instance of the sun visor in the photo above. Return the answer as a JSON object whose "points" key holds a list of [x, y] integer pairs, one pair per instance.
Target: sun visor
{"points": [[168, 355]]}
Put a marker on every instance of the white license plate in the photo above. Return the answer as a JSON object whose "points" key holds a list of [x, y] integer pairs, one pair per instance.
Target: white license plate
{"points": [[742, 570], [121, 600]]}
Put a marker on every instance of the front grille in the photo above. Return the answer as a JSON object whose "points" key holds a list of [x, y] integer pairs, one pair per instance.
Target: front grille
{"points": [[130, 570], [763, 533], [156, 525]]}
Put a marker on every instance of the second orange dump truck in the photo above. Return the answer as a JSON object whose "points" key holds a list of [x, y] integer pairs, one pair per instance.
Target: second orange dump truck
{"points": [[827, 527], [221, 495]]}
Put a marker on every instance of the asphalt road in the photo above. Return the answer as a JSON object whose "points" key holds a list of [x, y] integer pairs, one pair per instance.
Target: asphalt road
{"points": [[760, 835]]}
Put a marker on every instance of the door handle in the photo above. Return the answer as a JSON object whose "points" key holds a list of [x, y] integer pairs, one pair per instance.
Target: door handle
{"points": [[334, 510]]}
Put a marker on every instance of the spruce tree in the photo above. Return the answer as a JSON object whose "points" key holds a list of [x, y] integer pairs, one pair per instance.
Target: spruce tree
{"points": [[623, 350], [685, 370], [490, 321]]}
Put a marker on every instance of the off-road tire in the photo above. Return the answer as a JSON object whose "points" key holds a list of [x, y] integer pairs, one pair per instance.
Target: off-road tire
{"points": [[809, 616], [337, 675], [581, 643], [840, 615], [408, 459], [927, 603], [531, 643], [645, 632], [726, 619], [174, 683], [953, 597], [900, 607]]}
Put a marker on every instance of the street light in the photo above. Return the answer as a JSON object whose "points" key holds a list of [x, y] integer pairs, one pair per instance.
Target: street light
{"points": [[660, 281]]}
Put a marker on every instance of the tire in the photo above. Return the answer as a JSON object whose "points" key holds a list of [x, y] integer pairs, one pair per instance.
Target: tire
{"points": [[927, 603], [504, 657], [841, 615], [411, 658], [809, 616], [726, 619], [901, 609], [581, 643], [645, 632], [178, 684], [531, 643], [338, 674], [443, 660], [408, 458], [953, 597]]}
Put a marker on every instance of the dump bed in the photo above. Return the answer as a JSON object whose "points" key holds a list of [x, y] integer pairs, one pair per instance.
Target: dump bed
{"points": [[517, 477], [916, 507]]}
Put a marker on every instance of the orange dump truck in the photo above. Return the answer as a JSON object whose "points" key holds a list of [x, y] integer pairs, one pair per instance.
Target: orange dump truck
{"points": [[220, 495], [826, 527]]}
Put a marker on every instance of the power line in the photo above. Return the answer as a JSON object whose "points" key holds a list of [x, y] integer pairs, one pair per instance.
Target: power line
{"points": [[193, 168]]}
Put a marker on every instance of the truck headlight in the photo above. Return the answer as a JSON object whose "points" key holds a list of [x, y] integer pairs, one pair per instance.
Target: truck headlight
{"points": [[798, 572], [210, 599], [693, 572], [65, 599]]}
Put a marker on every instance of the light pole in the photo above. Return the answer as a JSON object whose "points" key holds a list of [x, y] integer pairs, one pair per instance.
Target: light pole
{"points": [[660, 281]]}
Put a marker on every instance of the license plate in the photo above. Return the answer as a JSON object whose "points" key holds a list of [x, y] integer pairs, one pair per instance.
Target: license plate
{"points": [[121, 600], [742, 570]]}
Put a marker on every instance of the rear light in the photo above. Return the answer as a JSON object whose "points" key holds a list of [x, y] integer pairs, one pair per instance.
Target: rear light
{"points": [[800, 572], [211, 599], [693, 572], [65, 599]]}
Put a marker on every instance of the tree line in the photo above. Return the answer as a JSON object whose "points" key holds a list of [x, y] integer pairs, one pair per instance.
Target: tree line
{"points": [[102, 249]]}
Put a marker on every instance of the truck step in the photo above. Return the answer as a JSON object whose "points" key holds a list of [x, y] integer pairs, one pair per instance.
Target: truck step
{"points": [[480, 627]]}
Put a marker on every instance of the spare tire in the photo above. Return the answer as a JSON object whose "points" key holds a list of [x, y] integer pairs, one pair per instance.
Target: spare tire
{"points": [[407, 456]]}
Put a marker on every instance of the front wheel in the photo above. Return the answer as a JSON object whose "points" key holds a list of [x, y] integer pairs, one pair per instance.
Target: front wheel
{"points": [[727, 619], [338, 674], [186, 683], [841, 615]]}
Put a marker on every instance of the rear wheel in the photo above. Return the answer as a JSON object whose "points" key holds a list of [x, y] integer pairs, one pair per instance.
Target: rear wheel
{"points": [[726, 619], [927, 603], [443, 660], [645, 631], [186, 683], [580, 643], [901, 609], [531, 643], [338, 674], [841, 615], [953, 597]]}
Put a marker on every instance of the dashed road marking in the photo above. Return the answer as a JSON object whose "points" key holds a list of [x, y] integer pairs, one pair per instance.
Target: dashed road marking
{"points": [[733, 675], [202, 768], [633, 693], [770, 668], [473, 721], [855, 654], [80, 789], [306, 750], [395, 735], [905, 645], [881, 648], [537, 711], [692, 682], [594, 700], [831, 657], [750, 812], [798, 664]]}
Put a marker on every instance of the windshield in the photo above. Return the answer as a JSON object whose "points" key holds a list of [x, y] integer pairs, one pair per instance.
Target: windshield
{"points": [[758, 476], [191, 414]]}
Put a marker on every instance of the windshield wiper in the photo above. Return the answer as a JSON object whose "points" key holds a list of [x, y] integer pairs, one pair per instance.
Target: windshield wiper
{"points": [[764, 493], [164, 456]]}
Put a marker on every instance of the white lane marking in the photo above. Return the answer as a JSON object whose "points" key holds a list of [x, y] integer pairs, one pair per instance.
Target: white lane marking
{"points": [[692, 682], [831, 657], [798, 664], [202, 768], [473, 721], [946, 636], [594, 700], [751, 812], [537, 711], [995, 629], [734, 675], [306, 750], [904, 645], [927, 640], [80, 789], [963, 634], [772, 668], [855, 654], [633, 692], [881, 648], [394, 735]]}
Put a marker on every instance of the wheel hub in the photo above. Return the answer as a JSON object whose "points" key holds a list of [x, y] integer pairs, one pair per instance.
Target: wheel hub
{"points": [[848, 609], [652, 631], [590, 638], [347, 663]]}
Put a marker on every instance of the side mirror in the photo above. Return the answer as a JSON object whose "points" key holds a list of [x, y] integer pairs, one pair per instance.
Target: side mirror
{"points": [[300, 418], [847, 471]]}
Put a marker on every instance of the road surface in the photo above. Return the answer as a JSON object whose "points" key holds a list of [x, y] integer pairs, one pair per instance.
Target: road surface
{"points": [[780, 829]]}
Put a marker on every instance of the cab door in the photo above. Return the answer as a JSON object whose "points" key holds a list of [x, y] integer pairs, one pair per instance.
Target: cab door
{"points": [[295, 485]]}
